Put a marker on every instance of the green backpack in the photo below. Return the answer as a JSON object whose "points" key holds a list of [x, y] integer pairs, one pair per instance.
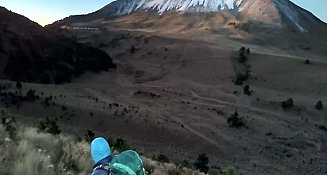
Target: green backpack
{"points": [[127, 163]]}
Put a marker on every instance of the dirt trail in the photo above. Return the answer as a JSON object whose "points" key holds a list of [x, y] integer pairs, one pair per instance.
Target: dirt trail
{"points": [[164, 71]]}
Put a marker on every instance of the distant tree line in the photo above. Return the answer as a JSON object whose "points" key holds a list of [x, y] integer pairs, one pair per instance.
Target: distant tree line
{"points": [[56, 60]]}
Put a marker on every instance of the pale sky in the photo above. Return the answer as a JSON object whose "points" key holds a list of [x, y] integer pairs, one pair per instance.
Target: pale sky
{"points": [[47, 11]]}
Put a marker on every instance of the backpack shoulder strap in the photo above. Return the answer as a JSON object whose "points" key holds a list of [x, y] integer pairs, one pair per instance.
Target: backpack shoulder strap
{"points": [[105, 167]]}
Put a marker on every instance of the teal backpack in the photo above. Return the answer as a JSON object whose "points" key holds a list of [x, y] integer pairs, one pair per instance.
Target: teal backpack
{"points": [[127, 163]]}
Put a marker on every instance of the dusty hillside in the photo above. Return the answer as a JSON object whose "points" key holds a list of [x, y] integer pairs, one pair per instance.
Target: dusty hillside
{"points": [[174, 96]]}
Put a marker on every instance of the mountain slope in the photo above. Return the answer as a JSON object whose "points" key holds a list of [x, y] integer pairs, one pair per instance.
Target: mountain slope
{"points": [[30, 53], [271, 23], [278, 12]]}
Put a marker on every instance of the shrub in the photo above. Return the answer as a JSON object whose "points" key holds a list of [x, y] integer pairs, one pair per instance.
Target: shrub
{"points": [[202, 163], [19, 85], [322, 127], [161, 158], [10, 124], [89, 136], [121, 145], [289, 103], [246, 90], [240, 78], [242, 58], [63, 108], [235, 121], [30, 95], [132, 50], [248, 51], [242, 51], [307, 62], [319, 105], [243, 55], [49, 126], [185, 163]]}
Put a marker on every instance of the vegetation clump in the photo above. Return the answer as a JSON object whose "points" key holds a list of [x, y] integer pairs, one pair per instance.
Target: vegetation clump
{"points": [[319, 105], [89, 136], [9, 122], [53, 60], [307, 62], [287, 104], [202, 163], [241, 78], [145, 93], [235, 121], [31, 96], [121, 145], [242, 68], [14, 98], [322, 127], [161, 158], [247, 90], [49, 126], [132, 49], [242, 55]]}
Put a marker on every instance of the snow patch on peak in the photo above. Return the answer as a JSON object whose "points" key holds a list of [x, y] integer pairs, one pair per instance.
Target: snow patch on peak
{"points": [[184, 5], [179, 5]]}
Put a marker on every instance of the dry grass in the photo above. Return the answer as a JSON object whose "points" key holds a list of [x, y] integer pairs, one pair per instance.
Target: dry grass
{"points": [[35, 153], [40, 153], [156, 168]]}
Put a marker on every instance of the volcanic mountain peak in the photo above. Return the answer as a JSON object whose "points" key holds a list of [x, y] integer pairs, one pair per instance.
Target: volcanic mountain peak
{"points": [[128, 6], [272, 13], [262, 10]]}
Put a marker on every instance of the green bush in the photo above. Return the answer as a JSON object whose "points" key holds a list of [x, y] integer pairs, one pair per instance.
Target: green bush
{"points": [[246, 90], [9, 122], [319, 105], [89, 136], [19, 85], [161, 158], [287, 104], [132, 50], [121, 145], [202, 163], [243, 55], [49, 126], [235, 121], [240, 78], [30, 95], [185, 163], [307, 62], [322, 127]]}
